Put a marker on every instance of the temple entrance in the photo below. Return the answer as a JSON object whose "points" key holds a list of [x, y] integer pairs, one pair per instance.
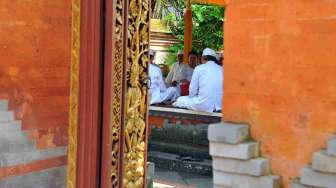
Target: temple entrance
{"points": [[80, 87], [77, 104], [129, 120], [178, 147]]}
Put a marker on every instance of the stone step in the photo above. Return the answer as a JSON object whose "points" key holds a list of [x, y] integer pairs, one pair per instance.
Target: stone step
{"points": [[10, 126], [16, 145], [3, 105], [313, 178], [6, 116], [323, 162], [180, 149], [220, 186], [244, 181], [150, 169], [59, 186], [331, 149], [296, 184], [181, 134], [253, 167], [228, 133], [172, 162], [17, 158], [243, 151], [49, 178], [12, 135]]}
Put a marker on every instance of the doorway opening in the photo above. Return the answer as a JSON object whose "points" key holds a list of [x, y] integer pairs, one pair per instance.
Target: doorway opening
{"points": [[178, 147]]}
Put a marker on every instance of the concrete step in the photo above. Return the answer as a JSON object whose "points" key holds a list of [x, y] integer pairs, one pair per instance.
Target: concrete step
{"points": [[10, 126], [221, 186], [253, 167], [17, 158], [180, 149], [3, 105], [174, 163], [331, 149], [228, 133], [59, 186], [6, 116], [244, 181], [181, 134], [323, 162], [296, 184], [13, 135], [310, 177], [16, 145], [49, 178], [243, 151]]}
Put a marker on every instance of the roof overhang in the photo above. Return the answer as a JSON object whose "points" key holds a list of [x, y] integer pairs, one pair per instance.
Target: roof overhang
{"points": [[213, 2]]}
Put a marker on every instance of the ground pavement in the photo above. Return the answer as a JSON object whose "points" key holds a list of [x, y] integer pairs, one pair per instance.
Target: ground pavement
{"points": [[172, 179]]}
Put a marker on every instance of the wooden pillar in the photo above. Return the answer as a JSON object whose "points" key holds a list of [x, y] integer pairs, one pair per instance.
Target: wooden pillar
{"points": [[188, 31], [136, 105], [89, 67], [125, 93]]}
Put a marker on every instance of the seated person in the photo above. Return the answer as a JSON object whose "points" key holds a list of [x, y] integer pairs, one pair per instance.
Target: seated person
{"points": [[193, 58], [192, 64], [206, 87], [164, 69], [180, 72], [158, 91]]}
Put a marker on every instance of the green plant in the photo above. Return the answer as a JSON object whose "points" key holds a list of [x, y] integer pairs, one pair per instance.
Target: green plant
{"points": [[207, 25]]}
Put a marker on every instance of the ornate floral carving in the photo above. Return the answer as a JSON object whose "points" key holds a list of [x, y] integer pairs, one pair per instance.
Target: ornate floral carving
{"points": [[136, 103], [74, 94], [117, 92]]}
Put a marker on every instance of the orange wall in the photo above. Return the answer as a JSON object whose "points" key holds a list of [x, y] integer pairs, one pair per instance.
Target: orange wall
{"points": [[34, 65], [280, 67]]}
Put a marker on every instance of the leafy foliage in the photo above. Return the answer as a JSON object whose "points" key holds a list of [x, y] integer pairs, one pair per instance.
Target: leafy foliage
{"points": [[162, 8], [207, 27], [207, 24]]}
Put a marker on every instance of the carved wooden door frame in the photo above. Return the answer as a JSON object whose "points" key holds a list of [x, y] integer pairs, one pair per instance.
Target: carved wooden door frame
{"points": [[125, 111], [84, 153], [108, 105], [90, 94], [108, 100]]}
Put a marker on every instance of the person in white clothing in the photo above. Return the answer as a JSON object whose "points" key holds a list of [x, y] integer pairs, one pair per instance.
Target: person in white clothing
{"points": [[206, 87], [158, 91], [180, 72]]}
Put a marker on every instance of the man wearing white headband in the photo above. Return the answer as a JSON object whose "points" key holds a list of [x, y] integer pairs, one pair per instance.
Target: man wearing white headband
{"points": [[158, 91], [180, 71], [206, 87]]}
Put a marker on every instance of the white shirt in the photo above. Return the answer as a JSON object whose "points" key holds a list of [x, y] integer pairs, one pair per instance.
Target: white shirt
{"points": [[206, 89], [158, 91], [179, 72]]}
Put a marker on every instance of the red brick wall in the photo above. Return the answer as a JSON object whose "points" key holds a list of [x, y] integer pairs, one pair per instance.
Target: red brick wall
{"points": [[34, 68], [280, 67]]}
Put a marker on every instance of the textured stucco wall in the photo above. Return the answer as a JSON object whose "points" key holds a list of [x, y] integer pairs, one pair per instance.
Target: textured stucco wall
{"points": [[34, 68], [280, 76]]}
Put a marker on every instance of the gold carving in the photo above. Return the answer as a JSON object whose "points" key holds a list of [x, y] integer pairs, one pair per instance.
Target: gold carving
{"points": [[136, 103], [117, 91], [74, 94]]}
